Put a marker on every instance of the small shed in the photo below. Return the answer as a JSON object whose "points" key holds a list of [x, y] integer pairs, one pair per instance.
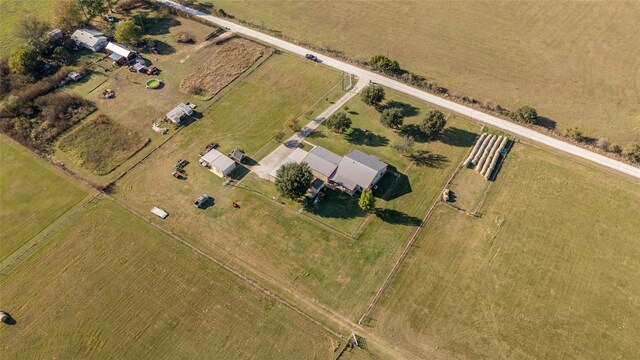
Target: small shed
{"points": [[138, 67], [218, 163], [316, 186], [119, 59], [55, 34], [237, 155], [160, 213], [176, 114]]}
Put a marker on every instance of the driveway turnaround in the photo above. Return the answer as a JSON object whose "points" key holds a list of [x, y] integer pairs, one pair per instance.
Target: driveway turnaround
{"points": [[398, 86]]}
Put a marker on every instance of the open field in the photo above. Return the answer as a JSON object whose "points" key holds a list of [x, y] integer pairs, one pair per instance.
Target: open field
{"points": [[32, 196], [101, 144], [12, 11], [112, 285], [273, 241], [576, 62], [549, 270]]}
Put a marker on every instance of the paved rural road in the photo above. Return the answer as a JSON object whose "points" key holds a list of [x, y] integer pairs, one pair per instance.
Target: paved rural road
{"points": [[277, 156], [398, 86]]}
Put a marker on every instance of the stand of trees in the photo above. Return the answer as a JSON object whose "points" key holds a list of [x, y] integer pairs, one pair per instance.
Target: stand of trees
{"points": [[433, 123], [338, 122], [372, 95], [293, 179], [392, 117]]}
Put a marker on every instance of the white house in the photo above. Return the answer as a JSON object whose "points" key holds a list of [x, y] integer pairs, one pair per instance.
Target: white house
{"points": [[218, 163], [358, 171], [91, 39], [176, 114]]}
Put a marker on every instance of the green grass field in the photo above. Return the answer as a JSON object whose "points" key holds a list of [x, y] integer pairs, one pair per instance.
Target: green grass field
{"points": [[32, 196], [549, 270], [101, 144], [573, 61], [272, 241], [111, 285], [12, 11]]}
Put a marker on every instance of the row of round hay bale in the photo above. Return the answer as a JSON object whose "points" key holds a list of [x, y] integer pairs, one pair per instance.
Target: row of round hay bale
{"points": [[492, 153], [485, 153], [494, 161], [480, 152], [475, 149]]}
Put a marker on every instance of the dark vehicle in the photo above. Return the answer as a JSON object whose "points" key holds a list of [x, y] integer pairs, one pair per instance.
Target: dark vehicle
{"points": [[153, 71], [311, 57], [202, 200]]}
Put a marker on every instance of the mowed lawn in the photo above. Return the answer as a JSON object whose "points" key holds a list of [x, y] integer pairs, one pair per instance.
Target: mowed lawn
{"points": [[12, 11], [32, 196], [111, 285], [274, 242], [576, 62], [550, 270]]}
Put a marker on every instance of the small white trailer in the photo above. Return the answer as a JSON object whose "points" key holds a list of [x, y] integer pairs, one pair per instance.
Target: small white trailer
{"points": [[159, 212]]}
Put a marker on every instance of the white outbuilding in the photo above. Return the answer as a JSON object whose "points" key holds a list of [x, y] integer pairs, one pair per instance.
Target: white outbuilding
{"points": [[218, 163]]}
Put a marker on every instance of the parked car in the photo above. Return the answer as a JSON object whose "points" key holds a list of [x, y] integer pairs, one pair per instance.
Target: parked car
{"points": [[202, 200], [153, 71], [110, 18], [311, 57]]}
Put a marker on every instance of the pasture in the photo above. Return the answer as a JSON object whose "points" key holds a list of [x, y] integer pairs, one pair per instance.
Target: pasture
{"points": [[32, 195], [549, 270], [112, 285], [269, 238], [573, 61]]}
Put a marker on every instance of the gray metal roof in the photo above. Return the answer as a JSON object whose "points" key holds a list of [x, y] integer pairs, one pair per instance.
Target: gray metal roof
{"points": [[88, 37], [358, 169], [322, 160]]}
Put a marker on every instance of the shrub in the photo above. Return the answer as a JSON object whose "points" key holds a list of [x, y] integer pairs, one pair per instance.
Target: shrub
{"points": [[404, 145], [338, 122], [632, 152], [615, 148], [293, 124], [278, 136], [384, 64], [574, 133], [392, 118], [185, 38], [367, 202], [604, 144], [24, 59], [525, 114]]}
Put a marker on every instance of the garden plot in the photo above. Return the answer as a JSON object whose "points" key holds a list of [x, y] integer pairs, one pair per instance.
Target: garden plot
{"points": [[222, 63]]}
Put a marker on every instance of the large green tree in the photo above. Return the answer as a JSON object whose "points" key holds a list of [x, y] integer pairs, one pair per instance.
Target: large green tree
{"points": [[293, 180], [392, 117], [525, 114], [338, 122], [367, 202], [372, 95], [433, 123], [128, 32], [24, 59]]}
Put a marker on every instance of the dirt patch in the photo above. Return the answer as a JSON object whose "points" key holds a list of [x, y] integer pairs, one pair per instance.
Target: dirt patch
{"points": [[221, 65]]}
